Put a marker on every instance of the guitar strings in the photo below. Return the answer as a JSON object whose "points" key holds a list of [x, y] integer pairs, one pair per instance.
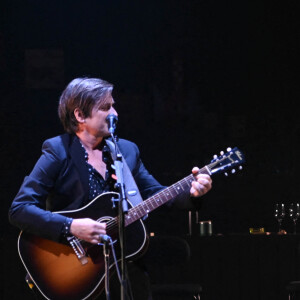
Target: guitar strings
{"points": [[112, 224], [140, 209], [151, 203]]}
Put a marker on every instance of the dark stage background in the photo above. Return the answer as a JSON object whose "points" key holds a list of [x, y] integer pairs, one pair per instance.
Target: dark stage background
{"points": [[191, 78]]}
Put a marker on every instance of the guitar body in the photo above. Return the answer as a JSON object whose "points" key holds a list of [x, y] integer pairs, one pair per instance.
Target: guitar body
{"points": [[62, 271], [55, 268]]}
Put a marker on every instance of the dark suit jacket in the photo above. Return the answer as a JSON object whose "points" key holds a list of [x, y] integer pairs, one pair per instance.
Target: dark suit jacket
{"points": [[59, 181]]}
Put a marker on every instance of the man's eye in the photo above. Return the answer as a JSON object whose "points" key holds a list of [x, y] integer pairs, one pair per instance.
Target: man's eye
{"points": [[105, 107]]}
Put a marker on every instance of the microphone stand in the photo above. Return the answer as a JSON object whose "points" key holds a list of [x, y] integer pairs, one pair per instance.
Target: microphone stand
{"points": [[122, 210], [106, 260]]}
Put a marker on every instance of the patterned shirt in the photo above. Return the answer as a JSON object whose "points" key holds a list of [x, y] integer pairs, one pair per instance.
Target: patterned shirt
{"points": [[97, 184]]}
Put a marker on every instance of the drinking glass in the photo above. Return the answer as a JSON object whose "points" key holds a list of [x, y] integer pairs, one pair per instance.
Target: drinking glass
{"points": [[294, 212], [279, 214]]}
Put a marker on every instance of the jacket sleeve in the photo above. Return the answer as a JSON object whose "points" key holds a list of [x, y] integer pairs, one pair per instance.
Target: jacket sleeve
{"points": [[28, 209], [149, 186]]}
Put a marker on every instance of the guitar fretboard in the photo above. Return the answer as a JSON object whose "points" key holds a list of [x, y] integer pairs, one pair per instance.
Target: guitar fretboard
{"points": [[161, 197]]}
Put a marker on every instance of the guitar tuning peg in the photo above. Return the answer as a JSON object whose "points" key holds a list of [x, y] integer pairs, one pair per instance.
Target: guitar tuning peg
{"points": [[229, 149], [240, 168], [233, 171], [226, 174], [222, 152], [215, 156]]}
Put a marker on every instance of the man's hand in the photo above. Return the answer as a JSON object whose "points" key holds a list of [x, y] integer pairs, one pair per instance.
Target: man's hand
{"points": [[88, 230], [201, 185]]}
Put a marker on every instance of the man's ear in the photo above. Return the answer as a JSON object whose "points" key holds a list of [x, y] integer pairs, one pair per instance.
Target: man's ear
{"points": [[79, 115]]}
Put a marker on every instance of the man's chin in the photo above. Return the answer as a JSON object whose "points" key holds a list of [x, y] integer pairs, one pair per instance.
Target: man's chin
{"points": [[107, 134]]}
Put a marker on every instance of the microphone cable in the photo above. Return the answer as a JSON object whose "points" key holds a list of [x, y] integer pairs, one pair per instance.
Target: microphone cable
{"points": [[106, 258]]}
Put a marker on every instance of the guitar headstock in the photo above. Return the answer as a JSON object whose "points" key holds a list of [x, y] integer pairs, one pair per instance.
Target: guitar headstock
{"points": [[228, 161]]}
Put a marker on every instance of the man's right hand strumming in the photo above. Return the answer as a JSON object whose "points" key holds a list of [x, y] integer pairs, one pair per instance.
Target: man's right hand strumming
{"points": [[88, 230]]}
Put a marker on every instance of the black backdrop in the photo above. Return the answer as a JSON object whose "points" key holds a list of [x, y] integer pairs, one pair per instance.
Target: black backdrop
{"points": [[191, 78]]}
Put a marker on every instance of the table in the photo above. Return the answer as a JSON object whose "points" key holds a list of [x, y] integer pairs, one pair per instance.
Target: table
{"points": [[244, 266]]}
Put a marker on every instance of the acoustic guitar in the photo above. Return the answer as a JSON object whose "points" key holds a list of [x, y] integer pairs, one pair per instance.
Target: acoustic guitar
{"points": [[76, 270]]}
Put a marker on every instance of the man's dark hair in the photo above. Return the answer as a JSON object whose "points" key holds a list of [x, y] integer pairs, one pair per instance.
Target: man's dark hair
{"points": [[84, 94]]}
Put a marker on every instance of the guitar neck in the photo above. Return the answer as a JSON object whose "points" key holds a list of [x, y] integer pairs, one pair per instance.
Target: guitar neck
{"points": [[161, 197]]}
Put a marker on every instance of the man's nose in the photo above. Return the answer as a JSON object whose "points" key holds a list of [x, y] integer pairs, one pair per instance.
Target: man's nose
{"points": [[113, 110]]}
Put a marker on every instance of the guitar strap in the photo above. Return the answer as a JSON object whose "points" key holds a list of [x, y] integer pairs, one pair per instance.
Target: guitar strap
{"points": [[132, 192]]}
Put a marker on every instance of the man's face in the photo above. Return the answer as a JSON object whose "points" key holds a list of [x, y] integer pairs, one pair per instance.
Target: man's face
{"points": [[96, 124]]}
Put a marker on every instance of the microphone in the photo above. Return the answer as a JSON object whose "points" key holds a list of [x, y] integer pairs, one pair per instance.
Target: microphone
{"points": [[111, 120], [104, 238]]}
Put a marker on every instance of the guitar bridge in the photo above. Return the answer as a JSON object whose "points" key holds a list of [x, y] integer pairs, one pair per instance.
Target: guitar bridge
{"points": [[78, 249]]}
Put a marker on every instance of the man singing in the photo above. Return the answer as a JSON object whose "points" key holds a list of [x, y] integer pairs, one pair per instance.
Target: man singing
{"points": [[75, 167]]}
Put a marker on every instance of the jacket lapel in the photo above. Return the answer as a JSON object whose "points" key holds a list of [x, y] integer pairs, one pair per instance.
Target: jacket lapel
{"points": [[77, 156]]}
